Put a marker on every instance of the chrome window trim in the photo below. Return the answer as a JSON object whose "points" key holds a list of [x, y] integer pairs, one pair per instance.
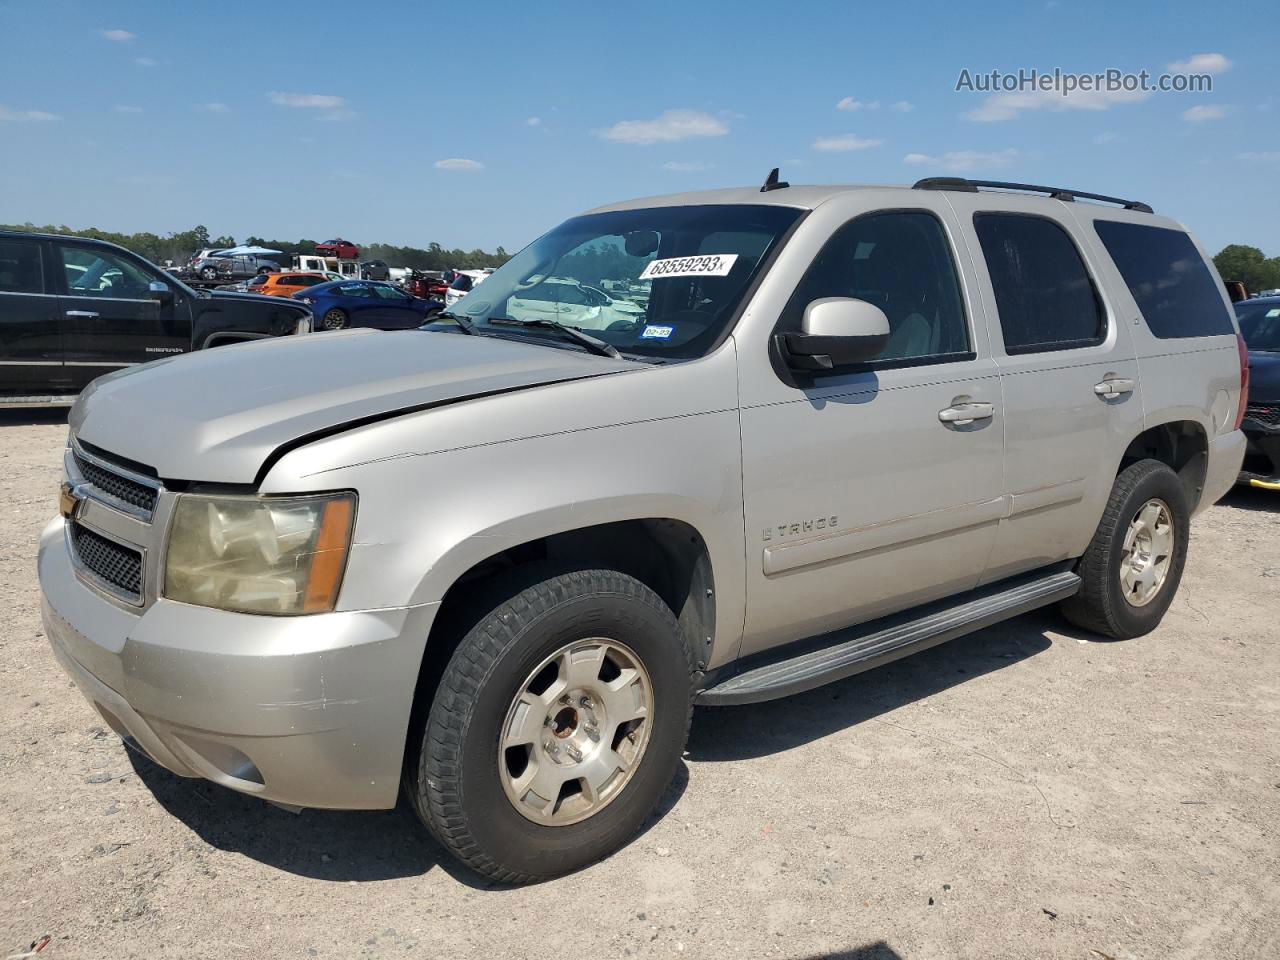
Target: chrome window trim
{"points": [[19, 293]]}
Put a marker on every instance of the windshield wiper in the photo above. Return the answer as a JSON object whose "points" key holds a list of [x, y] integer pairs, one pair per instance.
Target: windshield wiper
{"points": [[598, 347], [465, 324]]}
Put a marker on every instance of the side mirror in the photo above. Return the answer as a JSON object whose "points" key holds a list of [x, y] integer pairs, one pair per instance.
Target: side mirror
{"points": [[836, 332], [159, 290]]}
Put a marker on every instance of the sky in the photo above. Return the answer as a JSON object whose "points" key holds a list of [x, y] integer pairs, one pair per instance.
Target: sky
{"points": [[484, 125]]}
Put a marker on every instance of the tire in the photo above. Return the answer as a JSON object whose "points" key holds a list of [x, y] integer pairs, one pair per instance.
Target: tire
{"points": [[464, 786], [334, 319], [209, 273], [1107, 604]]}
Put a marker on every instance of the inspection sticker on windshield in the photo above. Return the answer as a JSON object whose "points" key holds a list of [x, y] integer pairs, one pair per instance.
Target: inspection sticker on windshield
{"points": [[706, 265], [656, 332]]}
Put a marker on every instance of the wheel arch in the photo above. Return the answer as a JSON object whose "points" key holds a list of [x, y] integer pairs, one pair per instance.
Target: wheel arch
{"points": [[1181, 444]]}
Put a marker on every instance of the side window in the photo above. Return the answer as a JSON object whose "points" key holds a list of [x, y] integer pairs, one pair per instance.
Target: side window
{"points": [[101, 273], [1044, 295], [353, 290], [1168, 278], [20, 270], [900, 261]]}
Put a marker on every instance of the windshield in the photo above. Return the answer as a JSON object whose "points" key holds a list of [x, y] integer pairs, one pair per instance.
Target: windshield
{"points": [[660, 282], [1260, 324]]}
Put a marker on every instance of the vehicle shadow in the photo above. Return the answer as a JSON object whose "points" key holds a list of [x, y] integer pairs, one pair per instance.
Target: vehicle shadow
{"points": [[340, 846], [1252, 498], [756, 730], [868, 951], [32, 416]]}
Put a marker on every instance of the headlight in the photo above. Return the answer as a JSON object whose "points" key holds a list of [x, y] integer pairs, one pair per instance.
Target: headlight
{"points": [[280, 555]]}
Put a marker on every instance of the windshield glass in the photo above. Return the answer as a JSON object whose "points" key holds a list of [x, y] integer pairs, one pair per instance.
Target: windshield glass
{"points": [[660, 282], [1260, 324]]}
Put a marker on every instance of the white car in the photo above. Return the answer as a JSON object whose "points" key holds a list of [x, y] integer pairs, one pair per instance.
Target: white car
{"points": [[464, 283], [573, 304]]}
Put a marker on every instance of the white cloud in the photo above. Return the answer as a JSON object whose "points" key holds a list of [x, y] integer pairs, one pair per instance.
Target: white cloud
{"points": [[459, 163], [685, 166], [962, 160], [533, 122], [216, 108], [1203, 112], [119, 36], [1201, 63], [852, 105], [146, 62], [668, 127], [903, 106], [1105, 137], [844, 143], [1251, 156], [1007, 106], [24, 116], [122, 108], [311, 101]]}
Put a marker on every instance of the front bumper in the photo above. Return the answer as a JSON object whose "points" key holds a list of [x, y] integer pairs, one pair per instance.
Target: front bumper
{"points": [[1262, 456], [310, 711]]}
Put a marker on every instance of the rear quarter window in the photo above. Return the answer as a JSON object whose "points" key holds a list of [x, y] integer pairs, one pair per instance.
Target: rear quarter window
{"points": [[1169, 280]]}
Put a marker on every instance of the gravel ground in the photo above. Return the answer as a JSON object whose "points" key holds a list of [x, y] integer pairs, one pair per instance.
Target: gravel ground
{"points": [[1022, 792]]}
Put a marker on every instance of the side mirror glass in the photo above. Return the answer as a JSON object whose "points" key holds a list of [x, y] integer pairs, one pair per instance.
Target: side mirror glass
{"points": [[837, 332], [159, 289]]}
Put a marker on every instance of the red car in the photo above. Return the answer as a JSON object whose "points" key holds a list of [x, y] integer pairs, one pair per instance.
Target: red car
{"points": [[342, 249], [429, 286]]}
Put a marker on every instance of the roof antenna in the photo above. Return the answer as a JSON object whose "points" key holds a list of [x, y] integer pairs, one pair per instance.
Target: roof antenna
{"points": [[771, 182]]}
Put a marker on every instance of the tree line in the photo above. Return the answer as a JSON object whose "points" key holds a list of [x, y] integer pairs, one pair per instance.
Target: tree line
{"points": [[1250, 265], [179, 246]]}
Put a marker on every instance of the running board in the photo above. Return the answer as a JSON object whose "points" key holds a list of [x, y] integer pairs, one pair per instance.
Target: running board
{"points": [[853, 650], [39, 400]]}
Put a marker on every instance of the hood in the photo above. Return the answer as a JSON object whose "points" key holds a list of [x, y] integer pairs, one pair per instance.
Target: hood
{"points": [[256, 298], [217, 415], [1264, 376]]}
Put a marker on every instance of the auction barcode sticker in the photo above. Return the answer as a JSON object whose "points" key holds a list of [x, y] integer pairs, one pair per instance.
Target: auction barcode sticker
{"points": [[705, 265]]}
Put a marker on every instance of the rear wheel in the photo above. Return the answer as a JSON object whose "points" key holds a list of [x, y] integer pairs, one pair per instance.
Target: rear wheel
{"points": [[209, 273], [1132, 568], [556, 727], [334, 319]]}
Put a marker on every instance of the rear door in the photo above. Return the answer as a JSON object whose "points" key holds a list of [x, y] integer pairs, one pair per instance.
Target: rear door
{"points": [[30, 343], [1067, 370], [110, 317], [392, 309]]}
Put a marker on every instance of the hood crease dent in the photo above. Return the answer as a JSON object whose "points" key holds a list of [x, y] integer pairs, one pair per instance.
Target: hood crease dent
{"points": [[225, 415]]}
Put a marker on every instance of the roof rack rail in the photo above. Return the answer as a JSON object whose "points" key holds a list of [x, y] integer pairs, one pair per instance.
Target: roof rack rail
{"points": [[1057, 193]]}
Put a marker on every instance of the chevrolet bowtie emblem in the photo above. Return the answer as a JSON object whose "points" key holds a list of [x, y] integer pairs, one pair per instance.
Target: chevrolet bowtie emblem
{"points": [[67, 501]]}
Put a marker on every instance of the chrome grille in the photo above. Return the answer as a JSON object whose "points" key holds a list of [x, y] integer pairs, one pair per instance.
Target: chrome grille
{"points": [[114, 564], [1264, 413], [116, 486]]}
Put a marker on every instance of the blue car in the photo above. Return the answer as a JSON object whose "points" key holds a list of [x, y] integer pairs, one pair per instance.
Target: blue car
{"points": [[366, 303]]}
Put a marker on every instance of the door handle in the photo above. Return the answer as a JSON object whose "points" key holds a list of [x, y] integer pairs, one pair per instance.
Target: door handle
{"points": [[81, 313], [1113, 387], [965, 413]]}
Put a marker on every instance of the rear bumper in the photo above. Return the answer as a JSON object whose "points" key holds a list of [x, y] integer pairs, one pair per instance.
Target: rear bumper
{"points": [[310, 711], [1226, 452]]}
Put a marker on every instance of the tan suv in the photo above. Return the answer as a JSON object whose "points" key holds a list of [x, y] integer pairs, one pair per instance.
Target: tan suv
{"points": [[495, 562]]}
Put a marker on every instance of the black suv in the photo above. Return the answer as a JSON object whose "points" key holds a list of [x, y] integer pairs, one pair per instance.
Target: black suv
{"points": [[73, 309]]}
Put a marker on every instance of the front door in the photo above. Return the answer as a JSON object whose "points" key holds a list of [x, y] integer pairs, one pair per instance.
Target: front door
{"points": [[110, 317], [874, 489]]}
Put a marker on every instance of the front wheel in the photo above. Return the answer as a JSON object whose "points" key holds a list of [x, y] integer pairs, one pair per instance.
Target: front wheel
{"points": [[334, 319], [557, 725], [1132, 567]]}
